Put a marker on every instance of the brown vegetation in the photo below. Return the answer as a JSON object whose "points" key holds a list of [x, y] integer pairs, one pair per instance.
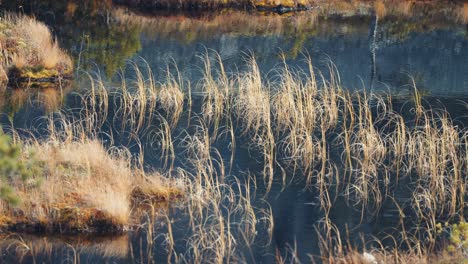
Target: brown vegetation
{"points": [[29, 50], [216, 4], [83, 188]]}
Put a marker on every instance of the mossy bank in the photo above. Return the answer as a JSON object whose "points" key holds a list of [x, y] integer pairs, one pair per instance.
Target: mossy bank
{"points": [[29, 52]]}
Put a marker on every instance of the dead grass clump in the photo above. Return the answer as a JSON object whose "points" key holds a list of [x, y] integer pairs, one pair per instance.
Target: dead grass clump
{"points": [[84, 189], [28, 47]]}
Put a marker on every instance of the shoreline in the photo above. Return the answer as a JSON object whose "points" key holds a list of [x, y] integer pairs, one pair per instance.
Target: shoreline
{"points": [[76, 187], [284, 6]]}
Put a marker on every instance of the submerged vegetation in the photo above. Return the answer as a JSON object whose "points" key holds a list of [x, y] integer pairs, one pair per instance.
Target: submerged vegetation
{"points": [[29, 52]]}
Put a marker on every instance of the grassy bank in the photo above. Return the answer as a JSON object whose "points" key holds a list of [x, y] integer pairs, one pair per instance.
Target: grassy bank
{"points": [[277, 5], [29, 51], [77, 187]]}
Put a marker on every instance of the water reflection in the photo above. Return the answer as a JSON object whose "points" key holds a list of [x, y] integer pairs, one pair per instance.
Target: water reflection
{"points": [[375, 46], [42, 99], [372, 49], [31, 249]]}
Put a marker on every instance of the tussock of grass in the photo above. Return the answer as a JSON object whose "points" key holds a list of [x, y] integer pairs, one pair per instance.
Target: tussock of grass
{"points": [[29, 48], [84, 188]]}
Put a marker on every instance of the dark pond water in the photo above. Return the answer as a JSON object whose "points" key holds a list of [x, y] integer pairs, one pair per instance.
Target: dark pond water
{"points": [[379, 52]]}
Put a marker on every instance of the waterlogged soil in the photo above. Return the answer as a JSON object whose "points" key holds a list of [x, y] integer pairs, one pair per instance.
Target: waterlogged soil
{"points": [[380, 54]]}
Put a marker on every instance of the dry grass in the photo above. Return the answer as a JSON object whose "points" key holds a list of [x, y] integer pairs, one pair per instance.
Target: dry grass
{"points": [[83, 188], [295, 125], [28, 46], [296, 119], [355, 145], [306, 119], [215, 4], [211, 202]]}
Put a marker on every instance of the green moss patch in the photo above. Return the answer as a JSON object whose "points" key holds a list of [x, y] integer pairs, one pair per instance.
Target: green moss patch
{"points": [[36, 74]]}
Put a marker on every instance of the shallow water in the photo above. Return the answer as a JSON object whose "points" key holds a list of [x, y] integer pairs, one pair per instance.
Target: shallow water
{"points": [[370, 51]]}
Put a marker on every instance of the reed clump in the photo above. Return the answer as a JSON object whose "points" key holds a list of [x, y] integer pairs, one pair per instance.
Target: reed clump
{"points": [[29, 51]]}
